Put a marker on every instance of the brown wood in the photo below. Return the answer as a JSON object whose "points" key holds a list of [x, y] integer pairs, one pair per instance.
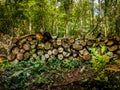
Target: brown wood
{"points": [[54, 43], [59, 41], [60, 56], [89, 43], [110, 43], [19, 56], [26, 46], [60, 49], [33, 46], [83, 43], [40, 52], [2, 58], [29, 38], [47, 56], [11, 57], [22, 50], [77, 46], [47, 45], [66, 54], [113, 48], [86, 57], [39, 36], [55, 51], [40, 46], [15, 50], [85, 52], [34, 55], [71, 40], [117, 38], [49, 52], [26, 55], [14, 40]]}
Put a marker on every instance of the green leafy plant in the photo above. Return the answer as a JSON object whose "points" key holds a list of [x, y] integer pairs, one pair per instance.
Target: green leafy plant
{"points": [[99, 60]]}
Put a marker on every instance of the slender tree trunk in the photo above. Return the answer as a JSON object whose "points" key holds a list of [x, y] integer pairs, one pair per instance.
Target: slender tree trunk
{"points": [[30, 26]]}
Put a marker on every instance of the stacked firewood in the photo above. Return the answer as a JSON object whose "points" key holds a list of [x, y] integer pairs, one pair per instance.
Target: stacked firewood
{"points": [[45, 47]]}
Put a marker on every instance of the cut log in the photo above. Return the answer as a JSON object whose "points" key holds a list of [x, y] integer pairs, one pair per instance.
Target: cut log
{"points": [[117, 38], [113, 48], [77, 46], [83, 43], [81, 52], [66, 54], [60, 56], [26, 46], [75, 55], [60, 49], [22, 50], [55, 51], [34, 55], [54, 43], [39, 36], [86, 57], [85, 52], [21, 42], [89, 43], [65, 45], [59, 42], [110, 43], [11, 56], [71, 40], [14, 40], [19, 56], [15, 50], [2, 58], [47, 56], [26, 55], [29, 38], [49, 52], [40, 46], [33, 46], [47, 46], [40, 52]]}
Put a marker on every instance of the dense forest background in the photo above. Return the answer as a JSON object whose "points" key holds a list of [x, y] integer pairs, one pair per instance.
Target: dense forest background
{"points": [[60, 17], [59, 44]]}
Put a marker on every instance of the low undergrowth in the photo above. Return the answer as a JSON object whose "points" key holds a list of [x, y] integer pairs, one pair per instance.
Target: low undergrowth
{"points": [[34, 71]]}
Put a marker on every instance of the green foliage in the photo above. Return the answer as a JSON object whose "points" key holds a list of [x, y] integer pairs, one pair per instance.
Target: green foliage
{"points": [[99, 60], [34, 71]]}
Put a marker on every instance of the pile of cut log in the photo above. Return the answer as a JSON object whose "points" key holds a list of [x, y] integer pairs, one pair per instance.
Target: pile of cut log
{"points": [[45, 47]]}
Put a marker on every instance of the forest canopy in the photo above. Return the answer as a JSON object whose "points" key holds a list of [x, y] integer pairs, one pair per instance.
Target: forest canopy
{"points": [[60, 17]]}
